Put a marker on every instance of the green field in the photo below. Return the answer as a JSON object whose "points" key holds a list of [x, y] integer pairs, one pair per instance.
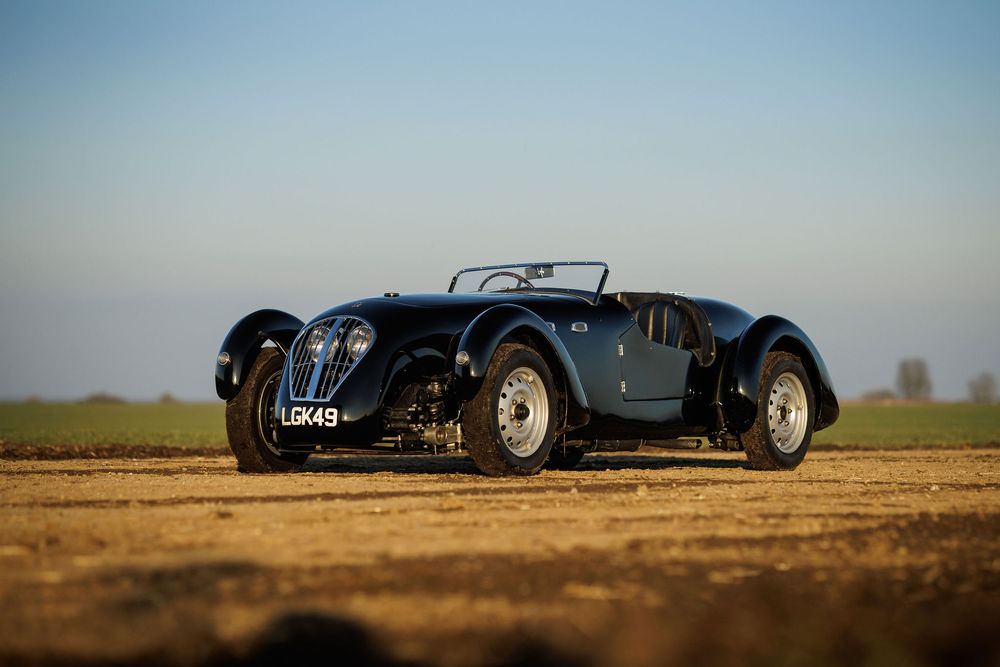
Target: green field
{"points": [[181, 424], [202, 425], [914, 425]]}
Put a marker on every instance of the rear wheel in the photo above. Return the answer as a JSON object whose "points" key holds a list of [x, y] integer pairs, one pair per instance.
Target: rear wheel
{"points": [[780, 436], [250, 419], [509, 424]]}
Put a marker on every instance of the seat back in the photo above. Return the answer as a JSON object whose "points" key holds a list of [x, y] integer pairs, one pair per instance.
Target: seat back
{"points": [[671, 319], [662, 322]]}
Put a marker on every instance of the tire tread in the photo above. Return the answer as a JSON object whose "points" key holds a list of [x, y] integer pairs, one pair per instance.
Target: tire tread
{"points": [[252, 455], [760, 450], [477, 422]]}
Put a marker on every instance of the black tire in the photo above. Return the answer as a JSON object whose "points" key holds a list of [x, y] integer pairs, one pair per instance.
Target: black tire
{"points": [[564, 458], [767, 447], [487, 438], [247, 419]]}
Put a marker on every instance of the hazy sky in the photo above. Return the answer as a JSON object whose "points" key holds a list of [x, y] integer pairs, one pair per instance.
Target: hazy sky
{"points": [[167, 167]]}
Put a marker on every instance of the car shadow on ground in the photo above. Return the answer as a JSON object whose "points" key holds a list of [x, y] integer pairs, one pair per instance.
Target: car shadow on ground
{"points": [[658, 462], [461, 464]]}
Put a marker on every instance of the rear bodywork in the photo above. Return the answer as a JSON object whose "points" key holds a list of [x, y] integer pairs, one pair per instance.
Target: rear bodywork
{"points": [[628, 367]]}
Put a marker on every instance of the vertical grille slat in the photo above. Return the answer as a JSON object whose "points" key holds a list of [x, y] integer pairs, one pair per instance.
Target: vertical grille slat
{"points": [[318, 380], [300, 366], [338, 365]]}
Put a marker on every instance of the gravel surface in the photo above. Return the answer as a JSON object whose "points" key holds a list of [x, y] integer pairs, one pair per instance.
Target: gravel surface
{"points": [[886, 557]]}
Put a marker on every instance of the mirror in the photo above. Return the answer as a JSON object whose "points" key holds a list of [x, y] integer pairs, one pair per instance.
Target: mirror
{"points": [[539, 271]]}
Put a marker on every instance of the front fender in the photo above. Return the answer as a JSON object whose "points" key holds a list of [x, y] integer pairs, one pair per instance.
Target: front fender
{"points": [[740, 380], [243, 343], [482, 337]]}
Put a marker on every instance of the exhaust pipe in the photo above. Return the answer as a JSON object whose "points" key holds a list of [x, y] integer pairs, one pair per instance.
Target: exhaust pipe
{"points": [[675, 443]]}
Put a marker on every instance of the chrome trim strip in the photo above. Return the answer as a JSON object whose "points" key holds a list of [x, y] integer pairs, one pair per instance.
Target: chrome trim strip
{"points": [[320, 362]]}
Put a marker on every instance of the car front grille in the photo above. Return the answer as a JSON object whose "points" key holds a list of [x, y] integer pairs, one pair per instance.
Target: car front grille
{"points": [[316, 375]]}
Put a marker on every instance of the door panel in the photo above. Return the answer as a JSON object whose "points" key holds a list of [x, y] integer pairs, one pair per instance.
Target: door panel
{"points": [[652, 371]]}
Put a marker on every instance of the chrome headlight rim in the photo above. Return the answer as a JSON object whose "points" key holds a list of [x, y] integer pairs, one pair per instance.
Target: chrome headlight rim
{"points": [[315, 341], [359, 340]]}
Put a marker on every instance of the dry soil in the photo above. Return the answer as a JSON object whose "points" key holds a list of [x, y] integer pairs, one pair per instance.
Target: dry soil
{"points": [[642, 559]]}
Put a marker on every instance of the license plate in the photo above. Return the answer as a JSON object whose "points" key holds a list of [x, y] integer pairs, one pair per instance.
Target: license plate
{"points": [[301, 416]]}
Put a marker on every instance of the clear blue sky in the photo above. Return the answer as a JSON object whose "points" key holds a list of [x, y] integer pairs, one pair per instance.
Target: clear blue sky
{"points": [[167, 167]]}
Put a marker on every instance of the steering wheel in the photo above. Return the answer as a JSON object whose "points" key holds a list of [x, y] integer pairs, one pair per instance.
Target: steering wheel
{"points": [[509, 274]]}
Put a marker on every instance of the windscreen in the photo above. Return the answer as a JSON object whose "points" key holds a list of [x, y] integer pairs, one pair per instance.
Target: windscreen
{"points": [[585, 278]]}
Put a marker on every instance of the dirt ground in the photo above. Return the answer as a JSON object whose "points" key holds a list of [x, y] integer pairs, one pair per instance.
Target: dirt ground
{"points": [[641, 559]]}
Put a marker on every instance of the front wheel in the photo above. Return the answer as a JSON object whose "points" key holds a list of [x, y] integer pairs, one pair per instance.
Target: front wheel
{"points": [[510, 423], [786, 410], [250, 419]]}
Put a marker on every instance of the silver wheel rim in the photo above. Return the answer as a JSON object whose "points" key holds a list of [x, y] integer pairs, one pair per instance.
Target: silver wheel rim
{"points": [[787, 413], [523, 412]]}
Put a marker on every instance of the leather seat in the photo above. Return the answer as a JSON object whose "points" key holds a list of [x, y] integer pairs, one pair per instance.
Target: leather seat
{"points": [[662, 323], [671, 319]]}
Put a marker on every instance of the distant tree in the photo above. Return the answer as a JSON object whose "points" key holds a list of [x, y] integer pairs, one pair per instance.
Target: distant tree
{"points": [[878, 395], [102, 397], [913, 380], [983, 388], [34, 399], [166, 398]]}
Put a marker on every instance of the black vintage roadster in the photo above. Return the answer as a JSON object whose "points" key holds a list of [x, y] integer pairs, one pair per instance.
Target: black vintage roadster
{"points": [[524, 366]]}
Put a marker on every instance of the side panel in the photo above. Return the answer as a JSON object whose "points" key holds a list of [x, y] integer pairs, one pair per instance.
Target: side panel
{"points": [[740, 380], [639, 419], [595, 351], [652, 371], [243, 343]]}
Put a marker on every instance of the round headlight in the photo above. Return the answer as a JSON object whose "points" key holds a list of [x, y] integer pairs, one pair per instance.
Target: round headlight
{"points": [[358, 340], [314, 343]]}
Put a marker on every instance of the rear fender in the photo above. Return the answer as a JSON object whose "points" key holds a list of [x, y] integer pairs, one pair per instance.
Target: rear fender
{"points": [[739, 382], [483, 336], [243, 343]]}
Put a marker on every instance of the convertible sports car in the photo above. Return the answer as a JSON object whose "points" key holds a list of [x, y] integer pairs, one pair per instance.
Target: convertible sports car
{"points": [[523, 366]]}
